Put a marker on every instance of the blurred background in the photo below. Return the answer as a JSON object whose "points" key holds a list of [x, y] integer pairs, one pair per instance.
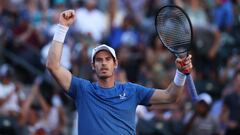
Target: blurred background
{"points": [[31, 103]]}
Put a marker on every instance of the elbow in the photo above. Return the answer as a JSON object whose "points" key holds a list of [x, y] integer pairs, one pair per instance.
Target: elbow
{"points": [[49, 66], [172, 99]]}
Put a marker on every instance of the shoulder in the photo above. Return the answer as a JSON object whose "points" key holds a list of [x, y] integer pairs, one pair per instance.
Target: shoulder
{"points": [[78, 84], [128, 84], [80, 81], [134, 86]]}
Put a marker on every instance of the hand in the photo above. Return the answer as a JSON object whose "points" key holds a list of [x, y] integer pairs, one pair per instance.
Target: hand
{"points": [[67, 17], [232, 124], [38, 80], [184, 65]]}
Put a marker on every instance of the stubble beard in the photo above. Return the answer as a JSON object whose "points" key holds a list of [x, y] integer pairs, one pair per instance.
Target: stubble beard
{"points": [[104, 77]]}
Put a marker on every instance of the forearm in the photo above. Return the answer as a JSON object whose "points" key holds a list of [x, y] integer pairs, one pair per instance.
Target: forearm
{"points": [[26, 105], [43, 104], [55, 51], [189, 125], [170, 94], [174, 91], [54, 56], [61, 74], [175, 88]]}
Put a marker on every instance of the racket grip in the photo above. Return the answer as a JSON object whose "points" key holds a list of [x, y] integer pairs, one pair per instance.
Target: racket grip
{"points": [[191, 88]]}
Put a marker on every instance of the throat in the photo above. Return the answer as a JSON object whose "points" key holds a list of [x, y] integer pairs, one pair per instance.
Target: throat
{"points": [[106, 82]]}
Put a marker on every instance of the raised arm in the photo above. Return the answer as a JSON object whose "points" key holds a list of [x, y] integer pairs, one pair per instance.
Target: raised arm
{"points": [[171, 94], [61, 75]]}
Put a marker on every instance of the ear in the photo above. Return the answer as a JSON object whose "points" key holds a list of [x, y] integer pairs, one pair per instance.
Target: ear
{"points": [[92, 65], [116, 64]]}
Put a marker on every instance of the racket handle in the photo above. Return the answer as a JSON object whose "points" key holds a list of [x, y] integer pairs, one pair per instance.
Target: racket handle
{"points": [[191, 88]]}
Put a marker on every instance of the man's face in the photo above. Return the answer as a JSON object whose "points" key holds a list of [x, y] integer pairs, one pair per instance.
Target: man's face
{"points": [[104, 64], [202, 108]]}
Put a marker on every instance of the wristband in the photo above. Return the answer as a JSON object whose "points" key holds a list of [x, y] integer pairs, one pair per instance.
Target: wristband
{"points": [[60, 33], [179, 78]]}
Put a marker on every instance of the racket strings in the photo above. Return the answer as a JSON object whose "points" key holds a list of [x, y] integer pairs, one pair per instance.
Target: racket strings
{"points": [[174, 29]]}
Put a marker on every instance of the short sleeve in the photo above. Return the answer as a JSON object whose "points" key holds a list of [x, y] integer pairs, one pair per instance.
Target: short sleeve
{"points": [[77, 87], [143, 94]]}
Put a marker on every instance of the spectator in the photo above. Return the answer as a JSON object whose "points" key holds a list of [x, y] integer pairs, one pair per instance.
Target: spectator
{"points": [[126, 34], [45, 117], [90, 21], [223, 15], [231, 108], [10, 101], [9, 94], [201, 122]]}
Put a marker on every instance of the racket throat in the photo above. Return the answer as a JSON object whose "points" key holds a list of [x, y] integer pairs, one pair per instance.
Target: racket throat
{"points": [[181, 55]]}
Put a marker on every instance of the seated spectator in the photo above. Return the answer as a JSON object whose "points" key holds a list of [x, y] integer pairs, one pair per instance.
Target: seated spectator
{"points": [[45, 117], [9, 94]]}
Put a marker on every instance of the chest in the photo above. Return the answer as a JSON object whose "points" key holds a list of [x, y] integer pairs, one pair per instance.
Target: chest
{"points": [[114, 103]]}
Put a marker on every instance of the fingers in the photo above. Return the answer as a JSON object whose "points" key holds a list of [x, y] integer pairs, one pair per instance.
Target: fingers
{"points": [[67, 17], [180, 60], [68, 14], [187, 68], [184, 65]]}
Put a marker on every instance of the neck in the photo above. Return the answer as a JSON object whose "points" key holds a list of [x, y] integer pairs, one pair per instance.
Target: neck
{"points": [[107, 82]]}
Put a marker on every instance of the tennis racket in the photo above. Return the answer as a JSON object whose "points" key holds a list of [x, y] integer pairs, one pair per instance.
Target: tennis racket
{"points": [[174, 29]]}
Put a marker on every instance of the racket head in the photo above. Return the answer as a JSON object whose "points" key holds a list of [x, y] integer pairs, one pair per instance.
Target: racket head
{"points": [[174, 29]]}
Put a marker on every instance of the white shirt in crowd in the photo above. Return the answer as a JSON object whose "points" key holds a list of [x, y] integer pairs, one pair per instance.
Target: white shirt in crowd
{"points": [[93, 22], [12, 103]]}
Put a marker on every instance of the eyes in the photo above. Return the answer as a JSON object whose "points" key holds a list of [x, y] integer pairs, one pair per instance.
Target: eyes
{"points": [[103, 59]]}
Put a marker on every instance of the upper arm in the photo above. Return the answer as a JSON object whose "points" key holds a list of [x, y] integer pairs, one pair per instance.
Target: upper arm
{"points": [[63, 77], [143, 94], [61, 74]]}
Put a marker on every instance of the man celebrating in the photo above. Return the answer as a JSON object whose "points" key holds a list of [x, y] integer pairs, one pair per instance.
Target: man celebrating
{"points": [[107, 107]]}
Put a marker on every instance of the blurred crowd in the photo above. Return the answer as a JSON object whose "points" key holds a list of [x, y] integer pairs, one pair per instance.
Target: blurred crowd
{"points": [[31, 103]]}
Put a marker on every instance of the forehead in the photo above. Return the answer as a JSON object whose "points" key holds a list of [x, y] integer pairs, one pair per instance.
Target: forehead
{"points": [[103, 53]]}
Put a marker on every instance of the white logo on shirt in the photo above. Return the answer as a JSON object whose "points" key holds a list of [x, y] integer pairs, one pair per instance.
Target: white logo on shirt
{"points": [[122, 96]]}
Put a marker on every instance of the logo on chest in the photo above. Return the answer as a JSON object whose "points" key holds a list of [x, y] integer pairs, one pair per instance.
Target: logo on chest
{"points": [[122, 96]]}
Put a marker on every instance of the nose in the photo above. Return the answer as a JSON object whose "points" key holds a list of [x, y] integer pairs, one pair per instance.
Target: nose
{"points": [[104, 62]]}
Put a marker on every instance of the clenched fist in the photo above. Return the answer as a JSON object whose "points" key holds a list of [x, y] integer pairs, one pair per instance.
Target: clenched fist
{"points": [[67, 17], [184, 65]]}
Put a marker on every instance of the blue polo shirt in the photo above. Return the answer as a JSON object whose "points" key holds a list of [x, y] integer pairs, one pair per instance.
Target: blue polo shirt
{"points": [[107, 111]]}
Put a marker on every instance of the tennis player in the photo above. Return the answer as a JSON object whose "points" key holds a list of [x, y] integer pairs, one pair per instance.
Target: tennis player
{"points": [[107, 107]]}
